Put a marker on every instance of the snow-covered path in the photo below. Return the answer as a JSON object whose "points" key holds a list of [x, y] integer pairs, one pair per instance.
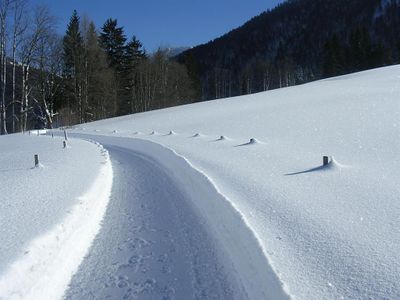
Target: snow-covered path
{"points": [[152, 244], [327, 234]]}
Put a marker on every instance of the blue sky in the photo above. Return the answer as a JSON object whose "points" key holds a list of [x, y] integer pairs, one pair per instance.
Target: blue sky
{"points": [[164, 22]]}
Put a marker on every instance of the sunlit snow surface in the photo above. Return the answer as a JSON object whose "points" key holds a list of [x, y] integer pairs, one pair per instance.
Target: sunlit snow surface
{"points": [[223, 199], [327, 232], [49, 214]]}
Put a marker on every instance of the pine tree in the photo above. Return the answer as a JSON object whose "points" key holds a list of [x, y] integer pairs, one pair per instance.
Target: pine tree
{"points": [[112, 40], [334, 61], [100, 79], [360, 51], [134, 54], [73, 69]]}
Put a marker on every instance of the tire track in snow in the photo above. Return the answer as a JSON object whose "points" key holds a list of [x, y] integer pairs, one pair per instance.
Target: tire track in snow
{"points": [[151, 245]]}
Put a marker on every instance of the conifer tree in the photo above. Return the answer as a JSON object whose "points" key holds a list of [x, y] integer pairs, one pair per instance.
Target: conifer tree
{"points": [[100, 79], [112, 40], [360, 52], [73, 69], [334, 63], [134, 54]]}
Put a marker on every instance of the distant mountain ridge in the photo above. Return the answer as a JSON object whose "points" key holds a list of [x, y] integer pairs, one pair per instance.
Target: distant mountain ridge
{"points": [[296, 42], [174, 51]]}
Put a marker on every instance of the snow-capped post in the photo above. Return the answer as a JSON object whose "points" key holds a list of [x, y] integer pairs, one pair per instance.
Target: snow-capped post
{"points": [[36, 160], [325, 160], [65, 144], [65, 135]]}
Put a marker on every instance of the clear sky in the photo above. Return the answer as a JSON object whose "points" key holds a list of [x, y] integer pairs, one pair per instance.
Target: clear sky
{"points": [[164, 22]]}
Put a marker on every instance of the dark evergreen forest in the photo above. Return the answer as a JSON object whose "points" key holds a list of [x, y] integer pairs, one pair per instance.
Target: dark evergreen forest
{"points": [[297, 42]]}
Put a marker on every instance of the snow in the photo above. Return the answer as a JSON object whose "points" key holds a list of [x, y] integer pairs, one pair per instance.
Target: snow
{"points": [[49, 215], [194, 194], [327, 232], [225, 199], [150, 248]]}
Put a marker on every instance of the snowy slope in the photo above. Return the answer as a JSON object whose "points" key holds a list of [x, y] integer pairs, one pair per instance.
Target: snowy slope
{"points": [[48, 215], [325, 233]]}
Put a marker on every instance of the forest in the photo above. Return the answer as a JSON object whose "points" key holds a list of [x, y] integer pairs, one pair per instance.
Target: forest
{"points": [[297, 42], [48, 80]]}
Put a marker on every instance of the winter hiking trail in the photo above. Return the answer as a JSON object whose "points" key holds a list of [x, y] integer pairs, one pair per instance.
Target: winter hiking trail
{"points": [[155, 243]]}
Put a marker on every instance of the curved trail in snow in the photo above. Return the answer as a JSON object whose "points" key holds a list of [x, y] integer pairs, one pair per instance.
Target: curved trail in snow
{"points": [[151, 245], [168, 233]]}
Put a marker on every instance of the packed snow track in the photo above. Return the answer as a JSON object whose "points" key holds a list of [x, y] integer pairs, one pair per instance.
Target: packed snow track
{"points": [[154, 243]]}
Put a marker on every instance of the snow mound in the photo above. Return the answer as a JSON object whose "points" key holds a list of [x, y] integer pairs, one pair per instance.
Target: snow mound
{"points": [[332, 165], [222, 138], [38, 132], [252, 141], [196, 135]]}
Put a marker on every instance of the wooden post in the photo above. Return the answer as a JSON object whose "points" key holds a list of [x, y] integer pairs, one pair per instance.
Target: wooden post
{"points": [[65, 144], [38, 132], [325, 160], [52, 135], [65, 135], [36, 160]]}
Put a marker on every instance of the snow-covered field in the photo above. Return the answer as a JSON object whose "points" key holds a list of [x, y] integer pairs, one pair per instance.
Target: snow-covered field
{"points": [[217, 200]]}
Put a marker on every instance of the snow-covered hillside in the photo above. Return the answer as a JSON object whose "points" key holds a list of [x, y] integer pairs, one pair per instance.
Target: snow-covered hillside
{"points": [[232, 194]]}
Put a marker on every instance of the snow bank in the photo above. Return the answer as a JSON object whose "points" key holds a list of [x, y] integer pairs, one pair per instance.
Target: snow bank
{"points": [[38, 132], [47, 262]]}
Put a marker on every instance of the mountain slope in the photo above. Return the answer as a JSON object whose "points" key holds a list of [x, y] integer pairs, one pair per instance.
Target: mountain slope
{"points": [[298, 41]]}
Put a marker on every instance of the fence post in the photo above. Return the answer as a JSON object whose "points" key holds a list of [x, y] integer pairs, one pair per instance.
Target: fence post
{"points": [[36, 160], [325, 160], [65, 144], [65, 135]]}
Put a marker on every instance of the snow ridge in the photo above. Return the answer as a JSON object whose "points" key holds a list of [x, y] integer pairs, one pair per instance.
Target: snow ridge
{"points": [[49, 261], [250, 261]]}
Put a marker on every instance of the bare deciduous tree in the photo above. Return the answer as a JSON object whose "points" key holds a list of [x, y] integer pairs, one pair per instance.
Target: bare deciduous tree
{"points": [[42, 24]]}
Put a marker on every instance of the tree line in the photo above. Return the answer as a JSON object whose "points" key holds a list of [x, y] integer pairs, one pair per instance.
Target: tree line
{"points": [[87, 74], [296, 42], [92, 73]]}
